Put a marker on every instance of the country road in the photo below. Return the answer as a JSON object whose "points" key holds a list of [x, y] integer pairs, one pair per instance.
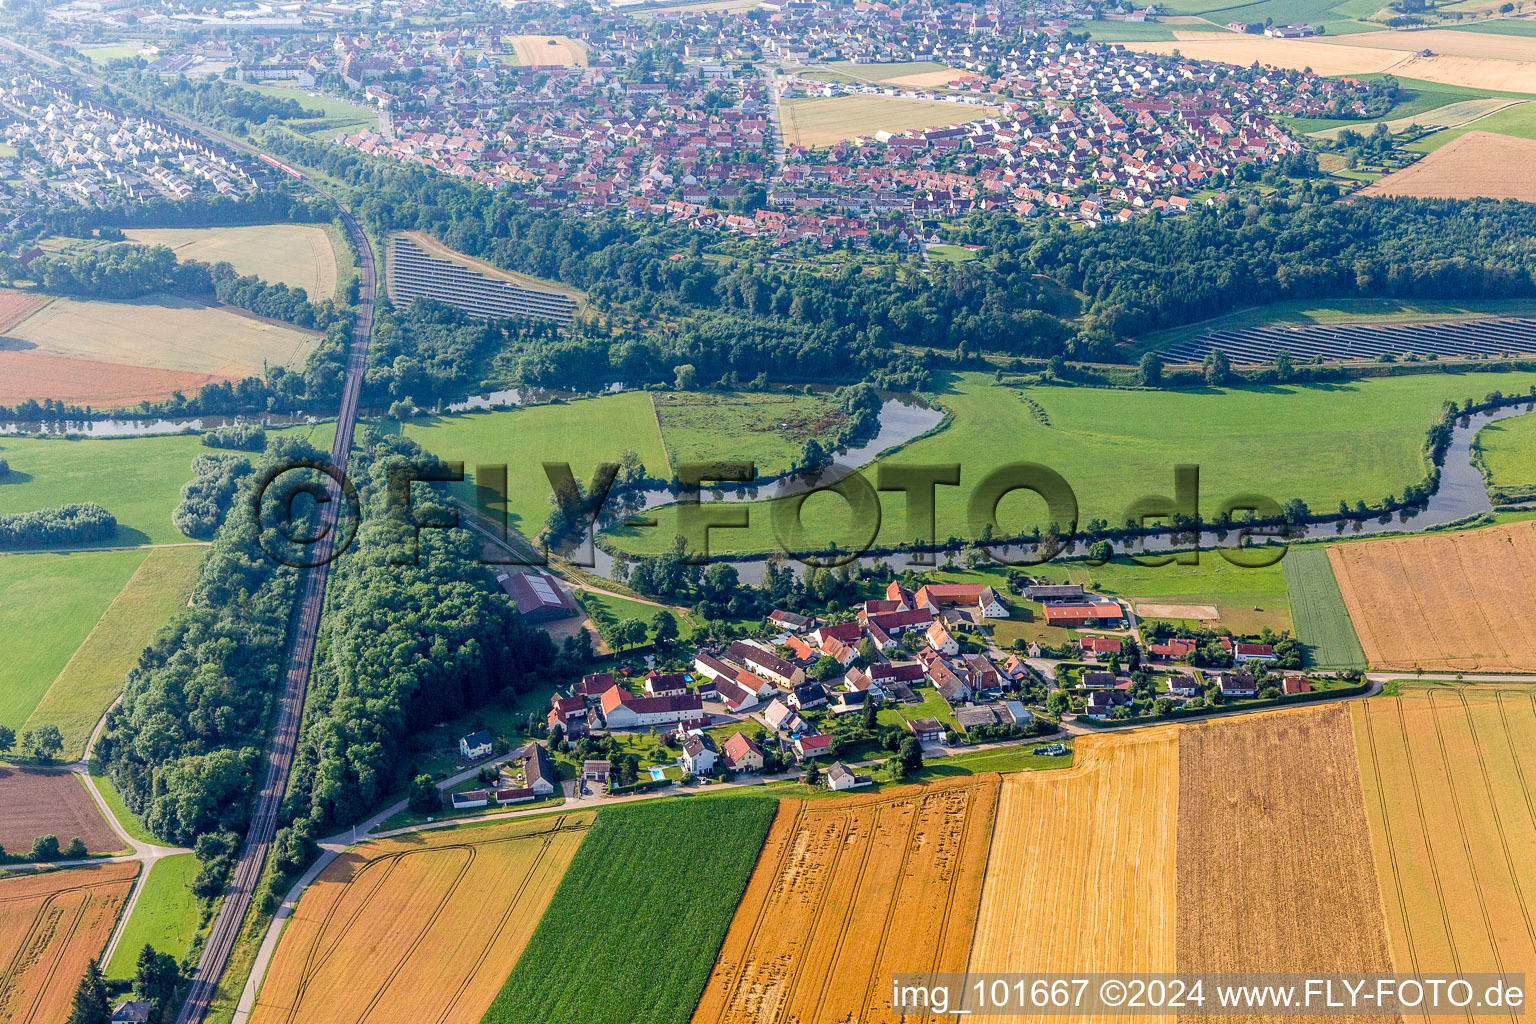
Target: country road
{"points": [[285, 731]]}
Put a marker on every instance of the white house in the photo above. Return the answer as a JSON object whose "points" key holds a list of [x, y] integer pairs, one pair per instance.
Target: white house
{"points": [[840, 777], [696, 757], [623, 710], [939, 639], [476, 745]]}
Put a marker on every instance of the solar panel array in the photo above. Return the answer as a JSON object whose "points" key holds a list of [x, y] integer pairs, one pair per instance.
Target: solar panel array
{"points": [[1504, 337]]}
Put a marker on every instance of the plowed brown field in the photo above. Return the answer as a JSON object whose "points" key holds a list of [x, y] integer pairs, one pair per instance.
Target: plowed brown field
{"points": [[1444, 602], [50, 803], [1274, 855], [1450, 782], [25, 375], [421, 929], [848, 892], [1081, 876], [16, 306], [51, 924]]}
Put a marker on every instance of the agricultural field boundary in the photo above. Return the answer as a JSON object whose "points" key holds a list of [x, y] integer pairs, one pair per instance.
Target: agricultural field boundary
{"points": [[1318, 611]]}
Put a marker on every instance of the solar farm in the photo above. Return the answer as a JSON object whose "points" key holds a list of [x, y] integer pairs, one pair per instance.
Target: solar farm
{"points": [[1492, 337]]}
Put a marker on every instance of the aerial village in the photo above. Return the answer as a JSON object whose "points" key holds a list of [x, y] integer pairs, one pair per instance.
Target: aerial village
{"points": [[837, 703]]}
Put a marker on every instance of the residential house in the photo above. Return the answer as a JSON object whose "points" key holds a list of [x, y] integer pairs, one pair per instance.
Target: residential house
{"points": [[696, 757], [840, 777], [1292, 685], [742, 754], [1242, 653], [539, 772], [1236, 684], [792, 621], [476, 745], [807, 695], [1182, 685], [766, 664], [595, 771], [940, 639], [672, 683], [807, 747]]}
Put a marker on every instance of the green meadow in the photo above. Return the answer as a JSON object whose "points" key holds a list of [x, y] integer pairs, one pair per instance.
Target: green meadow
{"points": [[165, 917], [1321, 443], [94, 675], [770, 430], [1509, 454], [48, 605], [581, 433]]}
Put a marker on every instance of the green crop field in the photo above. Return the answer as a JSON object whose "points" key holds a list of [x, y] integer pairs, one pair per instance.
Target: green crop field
{"points": [[1322, 621], [340, 116], [770, 430], [632, 932], [581, 433], [1509, 454], [1499, 26], [48, 606], [1357, 440], [165, 917], [93, 678], [1518, 121]]}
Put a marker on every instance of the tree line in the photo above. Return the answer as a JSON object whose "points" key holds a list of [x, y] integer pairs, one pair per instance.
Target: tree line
{"points": [[80, 523], [184, 747]]}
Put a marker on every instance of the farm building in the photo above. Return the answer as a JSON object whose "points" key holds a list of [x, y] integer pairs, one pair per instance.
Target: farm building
{"points": [[712, 667], [1048, 592], [471, 799], [518, 795], [935, 596], [623, 710], [739, 694], [570, 713], [1095, 614], [790, 620], [927, 730], [537, 596], [766, 664], [538, 770]]}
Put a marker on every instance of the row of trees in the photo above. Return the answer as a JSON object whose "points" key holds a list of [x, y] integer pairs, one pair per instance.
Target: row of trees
{"points": [[184, 747], [81, 523]]}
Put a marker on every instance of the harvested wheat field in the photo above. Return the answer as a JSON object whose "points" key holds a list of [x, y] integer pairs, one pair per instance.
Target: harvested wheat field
{"points": [[1449, 774], [931, 79], [1451, 602], [847, 893], [26, 375], [826, 121], [34, 803], [297, 255], [1471, 72], [1477, 164], [1274, 855], [51, 924], [418, 928], [1081, 875], [1243, 50], [16, 306], [162, 332], [548, 51], [1446, 41]]}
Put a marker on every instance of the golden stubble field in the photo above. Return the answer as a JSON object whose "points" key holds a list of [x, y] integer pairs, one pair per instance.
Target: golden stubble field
{"points": [[1477, 164], [1274, 855], [547, 51], [1450, 602], [298, 255], [1081, 876], [161, 332], [824, 121], [848, 892], [422, 928], [1449, 774], [51, 924]]}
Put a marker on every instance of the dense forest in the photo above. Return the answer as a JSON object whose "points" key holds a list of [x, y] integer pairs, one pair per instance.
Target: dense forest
{"points": [[185, 746], [52, 527], [207, 498], [415, 632]]}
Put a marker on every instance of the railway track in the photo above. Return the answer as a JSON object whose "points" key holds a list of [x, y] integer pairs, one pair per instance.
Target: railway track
{"points": [[285, 733]]}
